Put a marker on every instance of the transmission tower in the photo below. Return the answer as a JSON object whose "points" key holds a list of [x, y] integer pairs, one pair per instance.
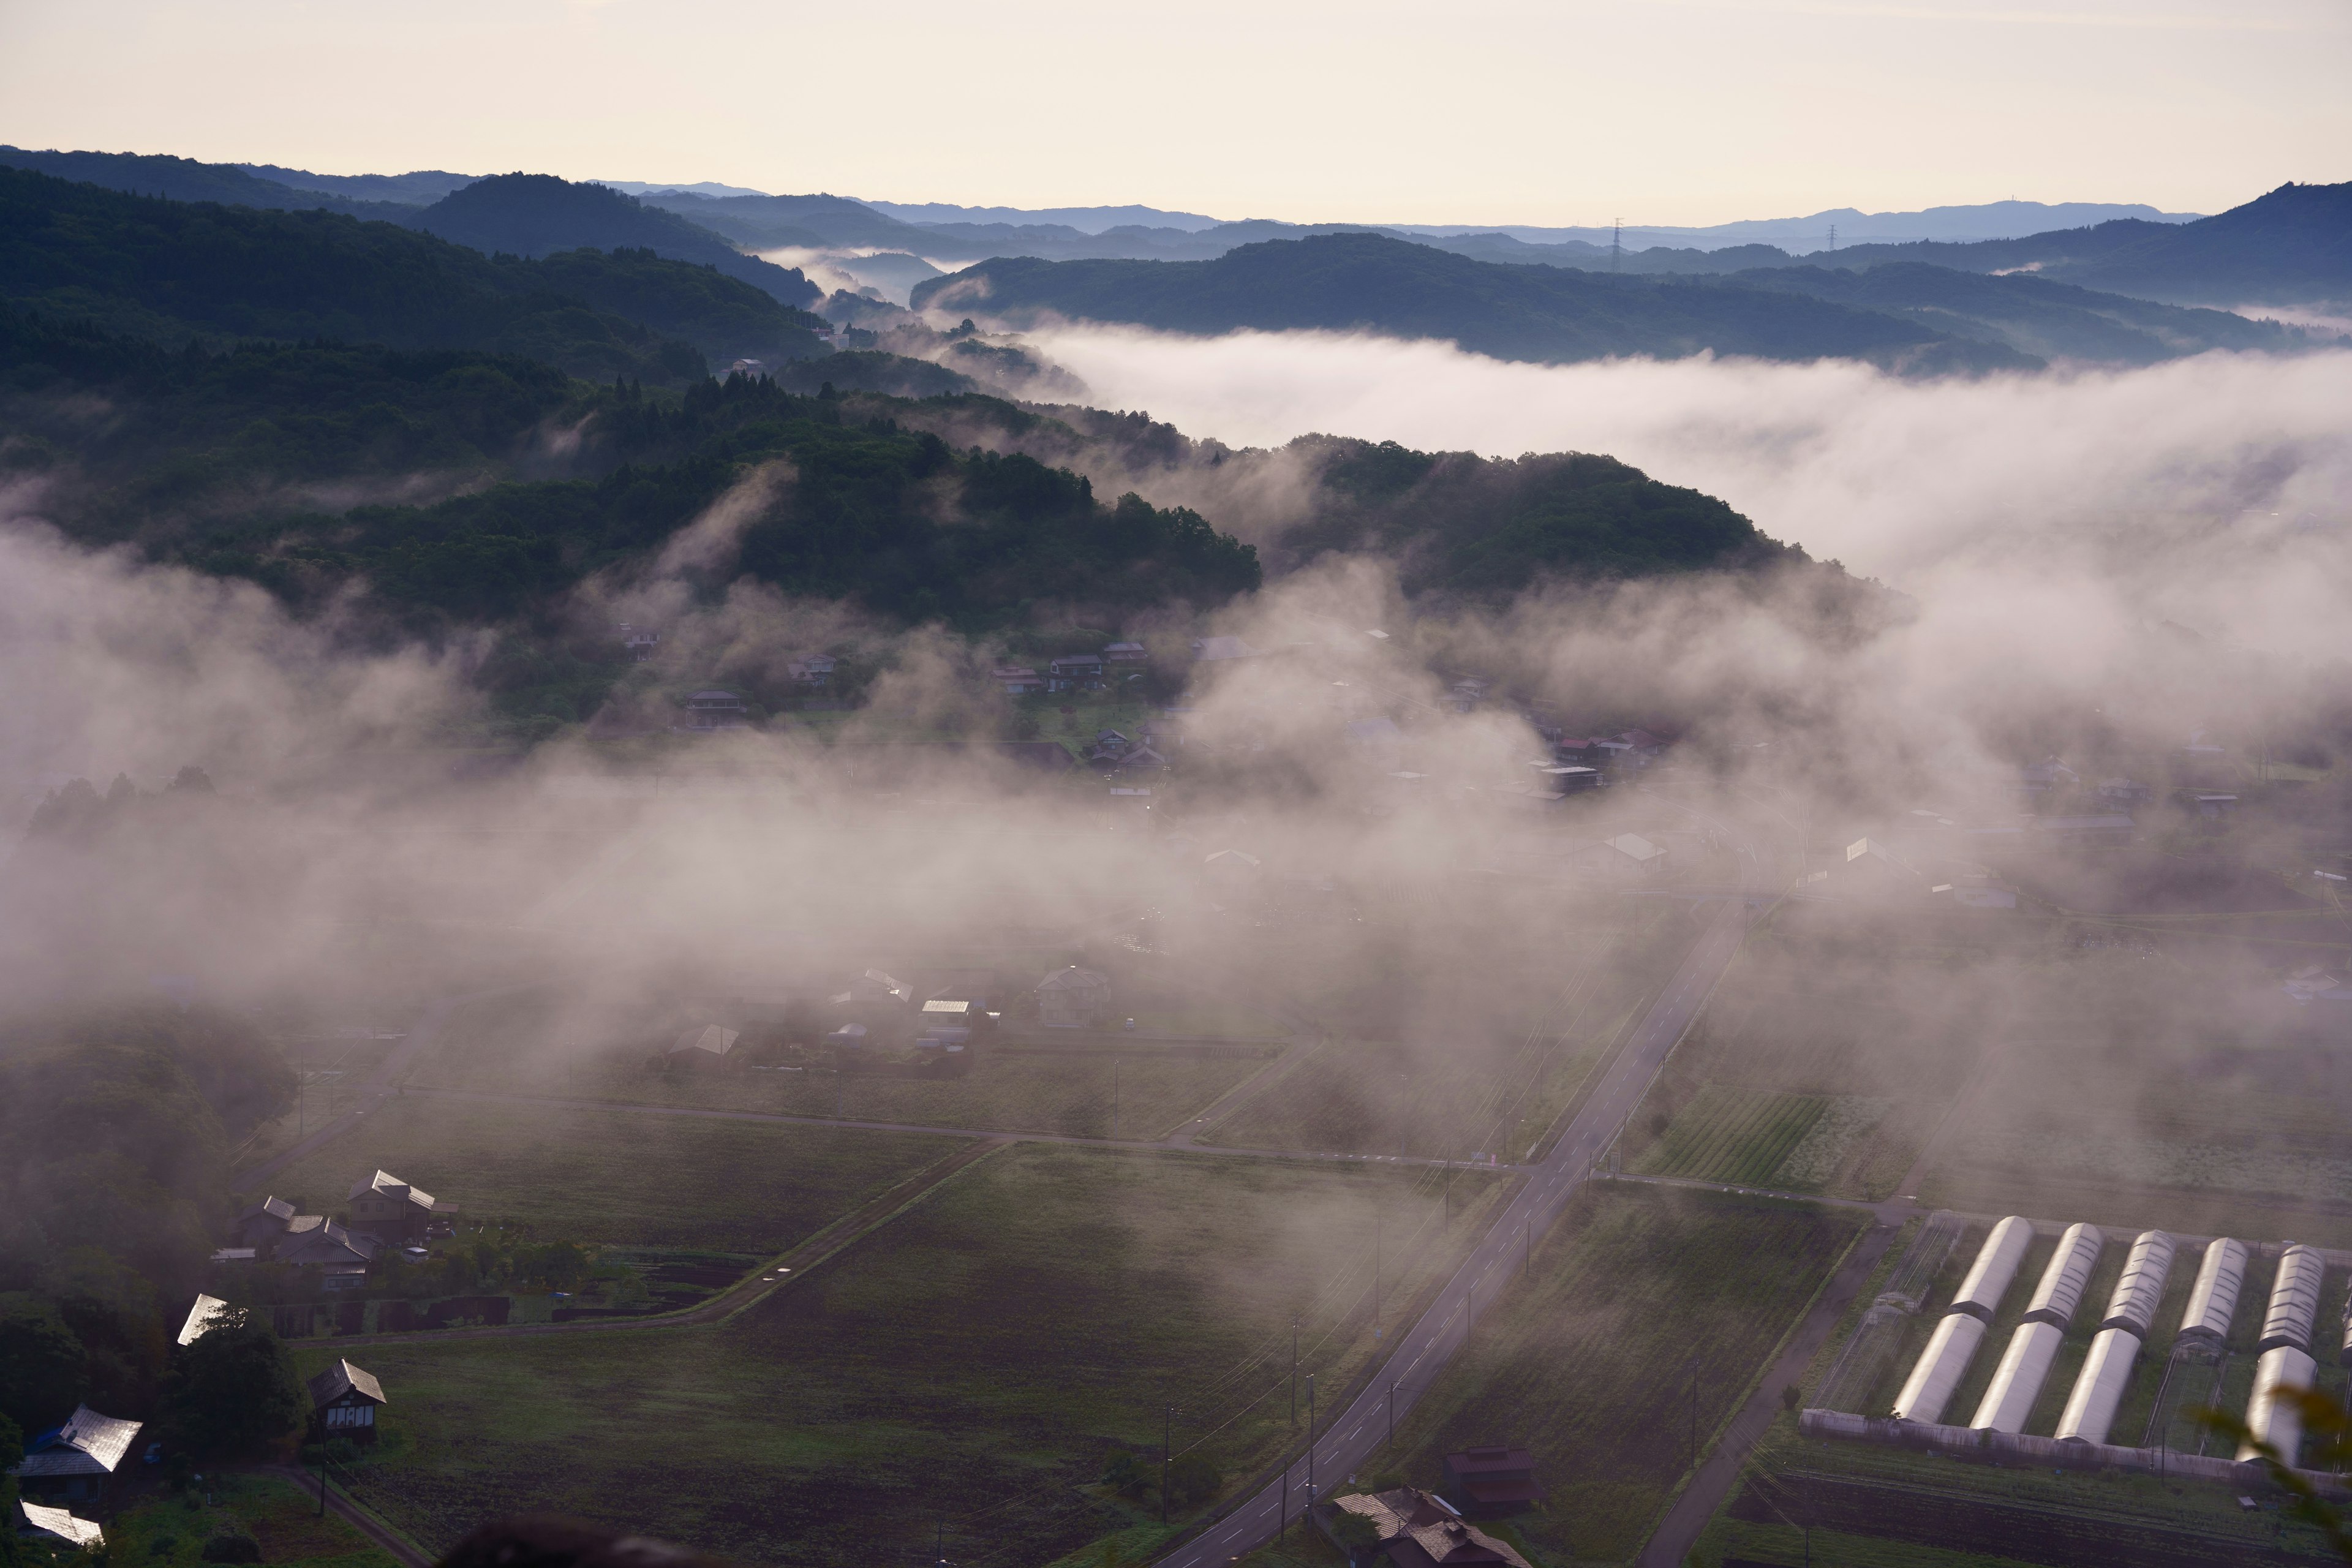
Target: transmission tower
{"points": [[1616, 242]]}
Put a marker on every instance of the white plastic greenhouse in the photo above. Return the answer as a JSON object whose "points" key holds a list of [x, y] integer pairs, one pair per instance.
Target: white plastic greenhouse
{"points": [[2133, 1305], [2017, 1381], [2213, 1299], [1940, 1368], [2270, 1418], [2295, 1301], [2099, 1389], [1995, 1269], [2069, 1272]]}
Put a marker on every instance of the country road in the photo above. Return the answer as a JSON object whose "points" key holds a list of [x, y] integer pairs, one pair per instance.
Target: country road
{"points": [[1351, 1435]]}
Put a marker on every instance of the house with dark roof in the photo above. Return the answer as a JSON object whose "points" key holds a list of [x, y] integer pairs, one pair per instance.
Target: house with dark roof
{"points": [[314, 1241], [259, 1225], [344, 1401], [1414, 1529], [75, 1461], [392, 1211]]}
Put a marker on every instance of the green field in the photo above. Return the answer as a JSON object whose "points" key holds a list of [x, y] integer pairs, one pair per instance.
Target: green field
{"points": [[979, 1358], [1732, 1135], [160, 1530], [618, 1176], [505, 1049], [1591, 1363]]}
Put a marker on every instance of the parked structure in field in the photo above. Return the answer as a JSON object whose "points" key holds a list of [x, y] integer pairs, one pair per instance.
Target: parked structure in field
{"points": [[1940, 1368], [1995, 1269], [388, 1210], [2098, 1389], [1413, 1529], [2140, 1288], [2268, 1418], [344, 1401], [2017, 1381], [202, 1317], [2295, 1301], [1489, 1481], [2066, 1277], [57, 1527], [704, 1046], [1073, 998], [75, 1461], [2213, 1299]]}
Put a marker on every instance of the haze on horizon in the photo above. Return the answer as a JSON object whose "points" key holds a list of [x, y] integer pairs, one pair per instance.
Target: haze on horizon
{"points": [[1657, 112]]}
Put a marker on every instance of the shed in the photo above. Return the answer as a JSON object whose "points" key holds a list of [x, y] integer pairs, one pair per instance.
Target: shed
{"points": [[1073, 998], [1940, 1368], [2213, 1299], [1492, 1479], [2099, 1388], [2017, 1381], [204, 1315], [705, 1047], [2067, 1275], [1995, 1269], [344, 1401], [74, 1460], [59, 1525], [2295, 1299], [2268, 1418], [2141, 1287]]}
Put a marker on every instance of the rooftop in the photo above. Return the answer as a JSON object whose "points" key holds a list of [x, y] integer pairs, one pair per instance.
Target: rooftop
{"points": [[344, 1378], [88, 1444]]}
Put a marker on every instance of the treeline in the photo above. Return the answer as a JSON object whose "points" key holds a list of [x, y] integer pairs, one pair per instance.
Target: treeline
{"points": [[175, 272]]}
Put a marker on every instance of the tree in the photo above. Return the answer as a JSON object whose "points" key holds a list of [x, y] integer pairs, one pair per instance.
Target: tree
{"points": [[231, 1394], [1126, 1474], [1192, 1479], [1354, 1532], [42, 1374], [12, 1451], [2327, 1424]]}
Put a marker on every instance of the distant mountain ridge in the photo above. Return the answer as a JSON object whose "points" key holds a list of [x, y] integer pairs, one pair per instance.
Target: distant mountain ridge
{"points": [[1915, 319]]}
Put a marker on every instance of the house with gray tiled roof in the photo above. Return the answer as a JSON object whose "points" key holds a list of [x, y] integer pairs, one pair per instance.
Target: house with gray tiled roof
{"points": [[344, 1401], [75, 1461]]}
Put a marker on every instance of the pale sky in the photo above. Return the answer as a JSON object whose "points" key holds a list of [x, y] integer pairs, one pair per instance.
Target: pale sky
{"points": [[1573, 111]]}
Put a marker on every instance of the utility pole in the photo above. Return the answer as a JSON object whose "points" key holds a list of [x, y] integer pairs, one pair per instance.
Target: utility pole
{"points": [[1167, 1452], [1391, 1410], [1114, 1097], [1294, 1374], [941, 1551], [1311, 1439], [1694, 1414]]}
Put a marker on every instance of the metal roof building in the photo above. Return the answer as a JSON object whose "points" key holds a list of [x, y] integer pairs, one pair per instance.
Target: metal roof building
{"points": [[204, 1315], [58, 1525], [2271, 1419], [2213, 1299], [2017, 1381], [2067, 1275], [2133, 1305], [1995, 1269], [1940, 1368], [2099, 1387], [2295, 1299]]}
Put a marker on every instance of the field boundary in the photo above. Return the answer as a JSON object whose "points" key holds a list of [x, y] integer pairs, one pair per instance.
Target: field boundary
{"points": [[405, 1548], [815, 1250]]}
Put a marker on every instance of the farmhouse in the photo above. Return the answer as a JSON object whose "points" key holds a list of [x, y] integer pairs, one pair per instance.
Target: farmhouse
{"points": [[1018, 679], [342, 1404], [815, 671], [716, 708], [1416, 1529], [1075, 672], [1073, 998], [1491, 1480], [385, 1209], [314, 1241], [1126, 653], [259, 1225], [75, 1461]]}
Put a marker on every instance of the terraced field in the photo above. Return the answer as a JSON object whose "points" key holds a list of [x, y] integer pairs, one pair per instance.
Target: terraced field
{"points": [[1732, 1135]]}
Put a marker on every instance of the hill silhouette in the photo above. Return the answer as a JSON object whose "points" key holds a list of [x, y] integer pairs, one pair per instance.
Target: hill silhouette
{"points": [[536, 215]]}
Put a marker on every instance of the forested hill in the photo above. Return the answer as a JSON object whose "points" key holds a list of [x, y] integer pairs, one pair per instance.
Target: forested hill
{"points": [[175, 271], [1919, 320], [2291, 247], [534, 214], [185, 180]]}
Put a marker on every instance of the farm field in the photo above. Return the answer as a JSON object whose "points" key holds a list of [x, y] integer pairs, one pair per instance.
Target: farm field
{"points": [[982, 1357], [1152, 1095], [1590, 1363], [617, 1177], [1803, 1075], [287, 1526], [1886, 1508]]}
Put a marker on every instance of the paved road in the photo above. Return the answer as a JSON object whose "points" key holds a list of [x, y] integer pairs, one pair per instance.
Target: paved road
{"points": [[1422, 1352]]}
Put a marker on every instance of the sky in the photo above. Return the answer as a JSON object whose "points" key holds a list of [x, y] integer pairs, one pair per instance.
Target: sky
{"points": [[1523, 111]]}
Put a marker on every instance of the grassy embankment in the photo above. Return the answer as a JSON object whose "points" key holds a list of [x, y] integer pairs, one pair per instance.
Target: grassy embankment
{"points": [[980, 1358], [1589, 1362]]}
